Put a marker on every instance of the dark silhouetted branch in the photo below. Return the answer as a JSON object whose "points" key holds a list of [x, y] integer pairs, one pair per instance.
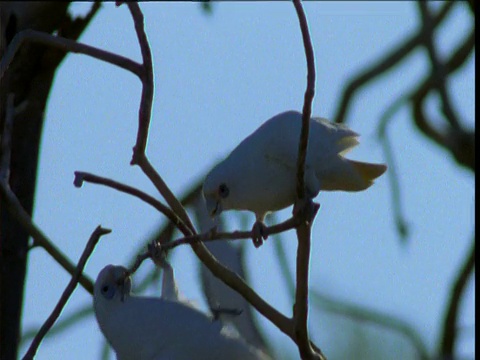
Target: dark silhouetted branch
{"points": [[67, 45], [392, 173], [398, 54], [80, 177], [449, 331], [92, 242]]}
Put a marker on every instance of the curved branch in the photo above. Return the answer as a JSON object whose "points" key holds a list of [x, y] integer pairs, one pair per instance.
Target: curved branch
{"points": [[81, 176], [165, 191], [308, 99], [66, 45], [300, 308], [387, 116], [460, 142], [92, 242], [144, 113], [139, 157], [439, 73], [14, 206], [145, 109], [210, 236], [449, 335], [398, 54]]}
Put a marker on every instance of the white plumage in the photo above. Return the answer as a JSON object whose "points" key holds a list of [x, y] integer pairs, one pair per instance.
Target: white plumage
{"points": [[260, 173], [145, 328]]}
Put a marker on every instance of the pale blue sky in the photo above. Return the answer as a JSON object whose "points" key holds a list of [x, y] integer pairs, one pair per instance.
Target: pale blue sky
{"points": [[217, 79]]}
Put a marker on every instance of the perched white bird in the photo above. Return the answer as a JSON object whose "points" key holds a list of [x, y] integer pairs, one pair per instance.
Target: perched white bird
{"points": [[260, 174], [144, 328]]}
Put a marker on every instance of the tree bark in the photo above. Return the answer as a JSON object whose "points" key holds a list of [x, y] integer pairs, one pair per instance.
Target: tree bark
{"points": [[29, 78]]}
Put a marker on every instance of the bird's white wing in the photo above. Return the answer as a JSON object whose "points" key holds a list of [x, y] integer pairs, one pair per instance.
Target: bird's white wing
{"points": [[282, 135], [280, 138]]}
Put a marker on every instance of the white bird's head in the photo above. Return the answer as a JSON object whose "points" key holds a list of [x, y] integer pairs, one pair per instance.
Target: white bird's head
{"points": [[217, 191], [112, 284]]}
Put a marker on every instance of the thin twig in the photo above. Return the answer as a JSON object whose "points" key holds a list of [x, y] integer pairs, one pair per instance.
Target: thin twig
{"points": [[145, 109], [165, 191], [81, 176], [92, 242], [385, 120], [66, 45], [19, 213], [308, 99], [386, 63], [449, 333], [439, 73], [235, 235], [210, 236], [461, 143], [300, 309], [234, 281], [15, 207]]}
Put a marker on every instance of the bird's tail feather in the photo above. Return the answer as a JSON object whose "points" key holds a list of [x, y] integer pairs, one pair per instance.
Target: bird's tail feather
{"points": [[368, 171], [354, 176]]}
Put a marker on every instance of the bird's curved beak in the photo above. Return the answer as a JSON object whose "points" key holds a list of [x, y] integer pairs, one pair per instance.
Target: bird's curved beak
{"points": [[214, 207], [124, 284]]}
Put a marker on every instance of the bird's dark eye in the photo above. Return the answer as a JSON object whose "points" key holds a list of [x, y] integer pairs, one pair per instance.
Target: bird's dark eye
{"points": [[108, 291], [223, 190]]}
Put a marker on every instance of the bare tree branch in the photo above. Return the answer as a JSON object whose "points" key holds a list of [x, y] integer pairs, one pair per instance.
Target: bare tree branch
{"points": [[392, 173], [165, 191], [399, 53], [29, 77], [227, 276], [438, 70], [92, 242], [210, 236], [449, 331], [300, 308], [14, 206], [460, 142], [145, 109], [69, 45], [80, 177], [307, 102]]}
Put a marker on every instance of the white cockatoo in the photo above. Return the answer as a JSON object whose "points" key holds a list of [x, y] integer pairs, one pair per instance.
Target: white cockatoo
{"points": [[260, 174], [147, 328]]}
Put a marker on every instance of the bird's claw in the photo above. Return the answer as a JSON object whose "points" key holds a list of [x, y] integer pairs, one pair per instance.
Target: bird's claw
{"points": [[259, 233], [157, 254], [306, 209]]}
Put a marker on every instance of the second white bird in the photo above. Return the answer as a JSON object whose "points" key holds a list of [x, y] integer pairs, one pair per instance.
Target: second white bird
{"points": [[143, 328]]}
